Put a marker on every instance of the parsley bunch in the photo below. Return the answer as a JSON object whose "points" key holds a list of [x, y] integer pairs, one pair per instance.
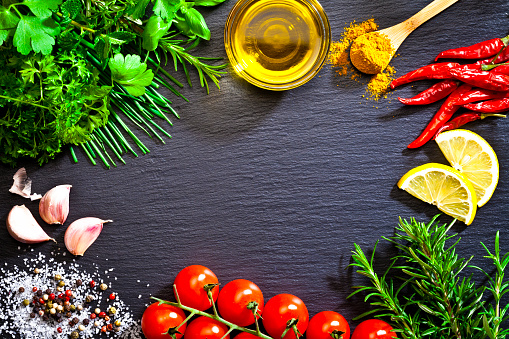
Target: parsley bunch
{"points": [[433, 297], [75, 71]]}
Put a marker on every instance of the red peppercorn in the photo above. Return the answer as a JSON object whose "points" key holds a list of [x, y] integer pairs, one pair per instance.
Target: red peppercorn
{"points": [[109, 327], [93, 315], [52, 296], [102, 314], [67, 299], [106, 318], [112, 296], [61, 296], [34, 289], [103, 329], [59, 330], [68, 293], [41, 300], [92, 283]]}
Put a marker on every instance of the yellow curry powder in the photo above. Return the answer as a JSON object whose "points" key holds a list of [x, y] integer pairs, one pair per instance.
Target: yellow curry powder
{"points": [[339, 57]]}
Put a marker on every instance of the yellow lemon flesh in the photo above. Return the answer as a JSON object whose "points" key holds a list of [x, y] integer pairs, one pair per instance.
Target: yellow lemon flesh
{"points": [[444, 187], [470, 154]]}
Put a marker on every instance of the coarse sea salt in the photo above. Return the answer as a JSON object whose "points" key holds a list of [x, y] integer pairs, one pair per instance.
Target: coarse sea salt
{"points": [[15, 321]]}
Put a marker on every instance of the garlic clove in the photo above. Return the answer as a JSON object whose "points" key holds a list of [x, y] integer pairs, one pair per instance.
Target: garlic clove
{"points": [[54, 206], [82, 233], [23, 227]]}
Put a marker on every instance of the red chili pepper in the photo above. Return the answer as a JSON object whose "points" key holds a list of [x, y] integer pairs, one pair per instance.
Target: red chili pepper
{"points": [[463, 119], [480, 94], [433, 71], [443, 115], [436, 92], [490, 106], [471, 74], [480, 50], [502, 57]]}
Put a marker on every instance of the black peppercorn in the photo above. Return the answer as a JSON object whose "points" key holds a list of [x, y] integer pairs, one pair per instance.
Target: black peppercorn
{"points": [[45, 317], [39, 293], [32, 315], [68, 314], [86, 321], [79, 282], [75, 320], [21, 289], [48, 291], [67, 308]]}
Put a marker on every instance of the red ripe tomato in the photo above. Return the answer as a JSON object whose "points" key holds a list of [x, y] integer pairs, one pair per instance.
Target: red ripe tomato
{"points": [[190, 282], [158, 319], [279, 310], [373, 329], [324, 323], [234, 298], [206, 328], [245, 335]]}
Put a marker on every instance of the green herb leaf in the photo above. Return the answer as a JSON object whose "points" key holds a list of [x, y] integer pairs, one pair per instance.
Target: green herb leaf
{"points": [[196, 22], [71, 8], [131, 73], [120, 37], [208, 2], [155, 29], [8, 23], [166, 9], [102, 47], [138, 11], [42, 8], [35, 34]]}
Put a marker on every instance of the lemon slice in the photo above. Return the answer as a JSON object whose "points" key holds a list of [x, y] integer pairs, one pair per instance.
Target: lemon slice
{"points": [[470, 154], [443, 186]]}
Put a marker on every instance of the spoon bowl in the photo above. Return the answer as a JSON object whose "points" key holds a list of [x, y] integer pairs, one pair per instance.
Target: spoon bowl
{"points": [[396, 35]]}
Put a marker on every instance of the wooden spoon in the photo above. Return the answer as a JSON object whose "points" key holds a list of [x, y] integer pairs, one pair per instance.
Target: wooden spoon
{"points": [[397, 34]]}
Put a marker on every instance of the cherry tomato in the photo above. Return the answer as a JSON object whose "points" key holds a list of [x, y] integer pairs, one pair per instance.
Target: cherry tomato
{"points": [[279, 310], [158, 319], [324, 323], [190, 282], [234, 298], [206, 328], [245, 335], [373, 329]]}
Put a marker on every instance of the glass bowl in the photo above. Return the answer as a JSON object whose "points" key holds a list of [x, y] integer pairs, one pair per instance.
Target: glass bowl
{"points": [[277, 44]]}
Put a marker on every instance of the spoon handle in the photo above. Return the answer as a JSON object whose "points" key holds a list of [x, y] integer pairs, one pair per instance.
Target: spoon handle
{"points": [[399, 32]]}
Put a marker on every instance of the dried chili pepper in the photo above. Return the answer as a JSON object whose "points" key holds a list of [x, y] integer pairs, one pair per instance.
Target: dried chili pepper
{"points": [[490, 106], [483, 49], [463, 119], [480, 94], [473, 75], [443, 115], [434, 71], [436, 92]]}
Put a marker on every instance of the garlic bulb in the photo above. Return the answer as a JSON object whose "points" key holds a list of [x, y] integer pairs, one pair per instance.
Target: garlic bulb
{"points": [[54, 206], [23, 227], [82, 233]]}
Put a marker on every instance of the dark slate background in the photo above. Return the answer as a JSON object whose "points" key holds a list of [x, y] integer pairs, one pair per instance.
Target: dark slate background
{"points": [[275, 187]]}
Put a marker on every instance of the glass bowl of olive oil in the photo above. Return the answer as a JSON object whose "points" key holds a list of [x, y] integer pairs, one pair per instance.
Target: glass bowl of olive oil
{"points": [[277, 44]]}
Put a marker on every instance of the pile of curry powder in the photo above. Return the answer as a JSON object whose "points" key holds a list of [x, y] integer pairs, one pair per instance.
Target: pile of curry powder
{"points": [[339, 57]]}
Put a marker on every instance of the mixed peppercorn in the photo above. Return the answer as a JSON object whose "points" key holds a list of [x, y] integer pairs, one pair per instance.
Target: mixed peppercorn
{"points": [[481, 87], [59, 304]]}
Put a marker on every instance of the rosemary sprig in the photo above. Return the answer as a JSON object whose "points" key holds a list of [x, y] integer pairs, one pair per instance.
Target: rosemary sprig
{"points": [[436, 299]]}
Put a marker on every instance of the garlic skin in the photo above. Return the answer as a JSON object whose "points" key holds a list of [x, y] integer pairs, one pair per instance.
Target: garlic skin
{"points": [[82, 233], [54, 206], [23, 227]]}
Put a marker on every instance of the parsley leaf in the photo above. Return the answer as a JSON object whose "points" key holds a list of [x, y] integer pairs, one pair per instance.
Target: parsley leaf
{"points": [[166, 9], [35, 34], [42, 8], [8, 22], [131, 73]]}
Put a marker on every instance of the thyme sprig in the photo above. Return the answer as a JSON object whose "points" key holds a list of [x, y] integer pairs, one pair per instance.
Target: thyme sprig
{"points": [[426, 293]]}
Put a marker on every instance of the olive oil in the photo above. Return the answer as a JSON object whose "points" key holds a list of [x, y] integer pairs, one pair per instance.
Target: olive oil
{"points": [[277, 41]]}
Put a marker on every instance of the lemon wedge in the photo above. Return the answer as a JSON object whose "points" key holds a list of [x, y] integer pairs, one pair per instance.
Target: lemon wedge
{"points": [[443, 186], [470, 154]]}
